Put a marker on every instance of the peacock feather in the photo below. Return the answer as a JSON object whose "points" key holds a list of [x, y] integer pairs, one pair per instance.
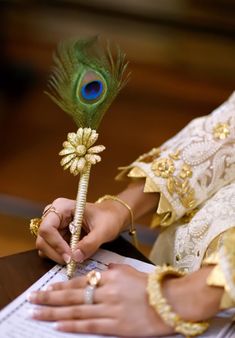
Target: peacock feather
{"points": [[84, 82], [85, 79]]}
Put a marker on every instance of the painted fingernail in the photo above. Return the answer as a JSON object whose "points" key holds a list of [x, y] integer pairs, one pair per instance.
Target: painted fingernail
{"points": [[66, 258], [78, 256]]}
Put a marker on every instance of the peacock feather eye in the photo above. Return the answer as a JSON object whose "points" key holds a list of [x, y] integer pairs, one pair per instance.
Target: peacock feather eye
{"points": [[86, 79], [92, 87], [92, 90]]}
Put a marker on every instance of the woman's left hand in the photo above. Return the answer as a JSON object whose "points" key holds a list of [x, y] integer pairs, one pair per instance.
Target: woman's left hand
{"points": [[120, 305]]}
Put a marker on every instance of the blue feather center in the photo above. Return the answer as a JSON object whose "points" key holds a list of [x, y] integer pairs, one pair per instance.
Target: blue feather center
{"points": [[92, 90]]}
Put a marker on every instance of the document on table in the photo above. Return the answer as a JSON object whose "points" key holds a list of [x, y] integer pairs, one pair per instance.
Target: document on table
{"points": [[16, 323], [14, 318]]}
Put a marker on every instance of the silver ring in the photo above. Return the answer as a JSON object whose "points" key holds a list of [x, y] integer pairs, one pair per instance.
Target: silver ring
{"points": [[89, 294]]}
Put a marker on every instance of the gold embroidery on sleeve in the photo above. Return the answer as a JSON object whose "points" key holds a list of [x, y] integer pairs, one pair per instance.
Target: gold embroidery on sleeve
{"points": [[179, 184], [163, 167], [221, 131], [150, 156], [176, 155], [221, 253]]}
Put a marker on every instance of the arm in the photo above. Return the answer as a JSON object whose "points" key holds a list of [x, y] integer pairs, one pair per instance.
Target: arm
{"points": [[140, 203], [103, 222], [193, 165]]}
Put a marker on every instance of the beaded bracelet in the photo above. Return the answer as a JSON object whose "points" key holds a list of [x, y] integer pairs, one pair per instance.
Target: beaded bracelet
{"points": [[132, 230], [159, 303]]}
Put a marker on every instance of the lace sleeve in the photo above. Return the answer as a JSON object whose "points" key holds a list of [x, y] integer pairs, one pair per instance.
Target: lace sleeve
{"points": [[189, 168], [221, 253]]}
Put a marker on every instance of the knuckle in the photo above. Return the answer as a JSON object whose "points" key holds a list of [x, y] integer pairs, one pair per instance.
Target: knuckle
{"points": [[112, 295], [90, 326], [71, 297], [57, 247], [77, 312], [49, 314], [44, 297], [113, 275], [43, 231], [58, 286]]}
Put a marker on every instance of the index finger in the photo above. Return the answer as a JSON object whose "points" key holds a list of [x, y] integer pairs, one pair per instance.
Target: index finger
{"points": [[49, 231]]}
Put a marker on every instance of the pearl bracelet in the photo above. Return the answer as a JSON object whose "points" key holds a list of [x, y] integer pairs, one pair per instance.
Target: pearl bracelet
{"points": [[164, 310]]}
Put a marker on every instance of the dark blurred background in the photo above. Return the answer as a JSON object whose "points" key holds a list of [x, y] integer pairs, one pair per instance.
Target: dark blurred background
{"points": [[182, 59]]}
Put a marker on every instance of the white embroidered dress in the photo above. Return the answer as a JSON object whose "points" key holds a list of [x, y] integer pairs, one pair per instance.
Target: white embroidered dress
{"points": [[194, 172]]}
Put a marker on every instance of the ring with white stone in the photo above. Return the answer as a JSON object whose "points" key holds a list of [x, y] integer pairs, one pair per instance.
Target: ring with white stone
{"points": [[89, 294]]}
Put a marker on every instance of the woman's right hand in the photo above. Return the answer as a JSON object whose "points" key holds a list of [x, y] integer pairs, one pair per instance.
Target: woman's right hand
{"points": [[102, 223]]}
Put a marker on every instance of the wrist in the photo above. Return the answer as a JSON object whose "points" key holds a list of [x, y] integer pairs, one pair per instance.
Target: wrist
{"points": [[117, 212], [191, 297], [127, 208], [163, 306]]}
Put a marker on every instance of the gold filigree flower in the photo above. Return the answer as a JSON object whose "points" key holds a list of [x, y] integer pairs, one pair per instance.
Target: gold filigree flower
{"points": [[186, 171], [221, 131], [163, 167], [78, 153]]}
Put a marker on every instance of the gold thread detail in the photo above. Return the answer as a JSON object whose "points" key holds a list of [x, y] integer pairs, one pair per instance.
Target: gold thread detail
{"points": [[221, 131], [163, 167], [150, 156], [161, 306], [179, 184]]}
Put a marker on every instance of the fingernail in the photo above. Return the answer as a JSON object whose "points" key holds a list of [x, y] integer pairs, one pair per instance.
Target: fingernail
{"points": [[55, 325], [31, 297], [78, 256], [33, 313], [48, 288], [66, 258]]}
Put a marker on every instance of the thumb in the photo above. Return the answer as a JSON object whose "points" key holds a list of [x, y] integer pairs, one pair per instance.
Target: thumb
{"points": [[86, 247]]}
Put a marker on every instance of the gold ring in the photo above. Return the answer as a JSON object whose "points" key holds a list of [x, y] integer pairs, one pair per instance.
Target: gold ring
{"points": [[51, 208], [93, 278], [34, 226], [46, 209], [35, 222]]}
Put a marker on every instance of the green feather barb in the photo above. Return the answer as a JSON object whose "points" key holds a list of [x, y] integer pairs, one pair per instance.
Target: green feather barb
{"points": [[85, 79]]}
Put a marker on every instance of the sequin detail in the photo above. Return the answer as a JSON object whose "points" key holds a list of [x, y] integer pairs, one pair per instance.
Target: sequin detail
{"points": [[221, 131]]}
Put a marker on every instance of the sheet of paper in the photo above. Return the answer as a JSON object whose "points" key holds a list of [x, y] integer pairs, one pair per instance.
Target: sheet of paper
{"points": [[14, 318], [15, 321]]}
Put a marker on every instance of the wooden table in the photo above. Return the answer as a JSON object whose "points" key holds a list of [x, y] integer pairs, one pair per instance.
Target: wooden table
{"points": [[19, 271]]}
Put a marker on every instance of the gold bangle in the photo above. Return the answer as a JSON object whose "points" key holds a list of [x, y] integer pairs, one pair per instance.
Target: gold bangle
{"points": [[132, 230], [159, 303]]}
